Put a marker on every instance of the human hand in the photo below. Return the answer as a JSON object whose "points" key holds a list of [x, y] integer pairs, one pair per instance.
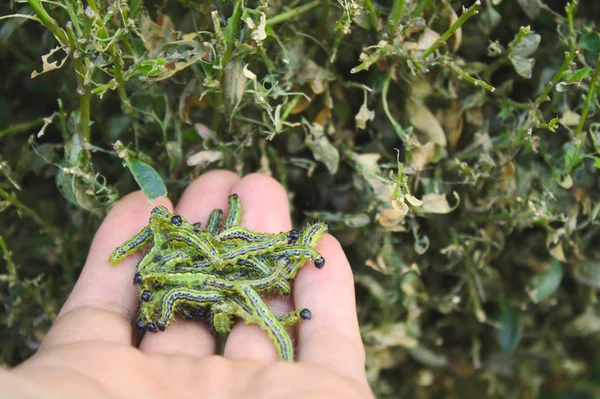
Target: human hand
{"points": [[94, 351]]}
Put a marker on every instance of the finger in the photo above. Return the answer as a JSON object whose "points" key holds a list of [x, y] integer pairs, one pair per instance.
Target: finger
{"points": [[331, 337], [265, 209], [209, 191], [104, 301]]}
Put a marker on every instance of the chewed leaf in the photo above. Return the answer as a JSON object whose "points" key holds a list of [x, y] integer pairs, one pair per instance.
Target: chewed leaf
{"points": [[166, 60], [234, 83], [437, 203], [322, 148], [48, 66], [523, 66], [147, 178], [424, 121], [398, 334], [364, 115], [204, 158], [527, 45]]}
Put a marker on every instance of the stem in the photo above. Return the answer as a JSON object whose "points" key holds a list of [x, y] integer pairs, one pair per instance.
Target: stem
{"points": [[118, 59], [474, 293], [62, 121], [290, 107], [569, 57], [570, 9], [462, 74], [372, 14], [386, 85], [118, 70], [277, 19], [10, 266], [82, 89], [231, 30], [446, 35], [395, 15], [21, 127], [420, 8], [48, 21], [588, 99]]}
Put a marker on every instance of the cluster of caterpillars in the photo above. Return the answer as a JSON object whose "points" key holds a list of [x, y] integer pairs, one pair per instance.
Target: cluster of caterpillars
{"points": [[218, 272]]}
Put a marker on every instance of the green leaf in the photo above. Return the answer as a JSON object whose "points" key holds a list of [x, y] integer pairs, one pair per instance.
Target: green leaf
{"points": [[147, 178], [509, 334], [545, 285], [572, 157], [590, 41], [597, 162], [579, 75]]}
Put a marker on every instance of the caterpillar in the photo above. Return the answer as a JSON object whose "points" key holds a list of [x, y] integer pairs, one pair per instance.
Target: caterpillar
{"points": [[234, 214], [294, 317], [295, 253], [223, 317], [214, 219], [136, 243], [312, 234], [189, 296], [258, 248], [262, 316], [182, 279]]}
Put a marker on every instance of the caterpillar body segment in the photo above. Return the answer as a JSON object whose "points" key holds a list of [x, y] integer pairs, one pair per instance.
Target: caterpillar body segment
{"points": [[234, 214], [174, 259], [257, 264], [275, 282], [136, 243], [214, 219], [200, 245], [223, 313], [312, 234], [243, 234], [298, 253], [294, 317], [244, 251], [262, 316], [177, 297]]}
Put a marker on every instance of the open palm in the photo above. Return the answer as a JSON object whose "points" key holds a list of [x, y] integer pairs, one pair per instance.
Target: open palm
{"points": [[94, 351]]}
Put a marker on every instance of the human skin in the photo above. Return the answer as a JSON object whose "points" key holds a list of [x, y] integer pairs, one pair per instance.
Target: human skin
{"points": [[93, 350]]}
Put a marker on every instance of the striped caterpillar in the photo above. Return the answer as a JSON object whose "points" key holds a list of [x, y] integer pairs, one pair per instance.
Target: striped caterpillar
{"points": [[218, 272]]}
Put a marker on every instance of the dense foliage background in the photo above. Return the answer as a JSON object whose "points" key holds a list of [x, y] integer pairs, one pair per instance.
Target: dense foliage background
{"points": [[454, 152]]}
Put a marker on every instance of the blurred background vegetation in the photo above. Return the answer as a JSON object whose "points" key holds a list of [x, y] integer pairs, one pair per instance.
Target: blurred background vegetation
{"points": [[453, 147]]}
